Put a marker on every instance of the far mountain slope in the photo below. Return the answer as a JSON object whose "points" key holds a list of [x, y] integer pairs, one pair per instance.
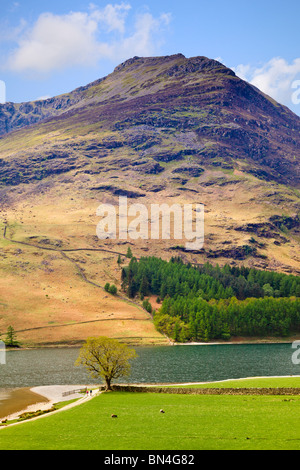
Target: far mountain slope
{"points": [[162, 109], [157, 129]]}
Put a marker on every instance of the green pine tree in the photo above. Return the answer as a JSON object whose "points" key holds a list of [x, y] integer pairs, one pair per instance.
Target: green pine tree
{"points": [[10, 340]]}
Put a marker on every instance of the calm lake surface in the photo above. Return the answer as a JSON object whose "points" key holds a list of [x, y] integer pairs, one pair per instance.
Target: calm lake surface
{"points": [[175, 364]]}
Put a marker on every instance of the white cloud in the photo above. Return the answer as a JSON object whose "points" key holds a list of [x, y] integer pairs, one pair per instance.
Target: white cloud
{"points": [[14, 6], [57, 42], [145, 38], [112, 17], [275, 78], [43, 98]]}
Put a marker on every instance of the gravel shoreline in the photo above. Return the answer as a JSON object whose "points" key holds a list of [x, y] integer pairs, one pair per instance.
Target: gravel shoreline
{"points": [[48, 396]]}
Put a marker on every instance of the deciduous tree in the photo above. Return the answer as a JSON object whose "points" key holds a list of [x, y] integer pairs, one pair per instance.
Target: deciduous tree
{"points": [[106, 358]]}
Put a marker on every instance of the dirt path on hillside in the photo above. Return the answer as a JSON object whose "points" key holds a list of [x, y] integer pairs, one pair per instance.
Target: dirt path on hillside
{"points": [[62, 252]]}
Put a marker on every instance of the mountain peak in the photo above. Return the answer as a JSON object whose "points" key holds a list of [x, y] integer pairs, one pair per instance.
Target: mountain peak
{"points": [[175, 98], [137, 61], [177, 65]]}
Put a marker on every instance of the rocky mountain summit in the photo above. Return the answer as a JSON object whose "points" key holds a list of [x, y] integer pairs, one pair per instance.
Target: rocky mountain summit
{"points": [[165, 109]]}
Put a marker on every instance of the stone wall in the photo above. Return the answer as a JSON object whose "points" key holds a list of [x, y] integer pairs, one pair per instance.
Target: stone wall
{"points": [[207, 391]]}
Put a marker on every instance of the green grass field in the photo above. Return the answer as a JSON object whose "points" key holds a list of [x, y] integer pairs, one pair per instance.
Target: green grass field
{"points": [[190, 422]]}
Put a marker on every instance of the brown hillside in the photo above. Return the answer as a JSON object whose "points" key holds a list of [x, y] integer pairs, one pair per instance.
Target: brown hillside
{"points": [[158, 129]]}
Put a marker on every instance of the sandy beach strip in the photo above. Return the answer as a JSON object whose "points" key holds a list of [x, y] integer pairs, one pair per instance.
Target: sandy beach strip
{"points": [[19, 399], [37, 398]]}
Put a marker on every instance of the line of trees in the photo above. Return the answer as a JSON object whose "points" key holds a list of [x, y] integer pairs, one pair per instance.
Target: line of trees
{"points": [[213, 302], [195, 319], [152, 275]]}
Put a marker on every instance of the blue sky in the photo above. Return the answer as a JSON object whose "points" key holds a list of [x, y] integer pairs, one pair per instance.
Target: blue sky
{"points": [[51, 47]]}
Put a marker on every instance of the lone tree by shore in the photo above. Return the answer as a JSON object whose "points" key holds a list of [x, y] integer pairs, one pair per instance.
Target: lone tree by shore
{"points": [[106, 358], [10, 340]]}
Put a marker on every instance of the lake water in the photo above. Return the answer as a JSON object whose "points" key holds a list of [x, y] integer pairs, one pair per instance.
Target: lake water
{"points": [[175, 364]]}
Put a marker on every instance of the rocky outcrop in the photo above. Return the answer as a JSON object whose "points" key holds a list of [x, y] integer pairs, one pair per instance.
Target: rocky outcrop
{"points": [[15, 116], [289, 223], [36, 167], [118, 191], [192, 171], [150, 169]]}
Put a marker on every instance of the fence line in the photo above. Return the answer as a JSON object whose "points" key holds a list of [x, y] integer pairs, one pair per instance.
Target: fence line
{"points": [[71, 392]]}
